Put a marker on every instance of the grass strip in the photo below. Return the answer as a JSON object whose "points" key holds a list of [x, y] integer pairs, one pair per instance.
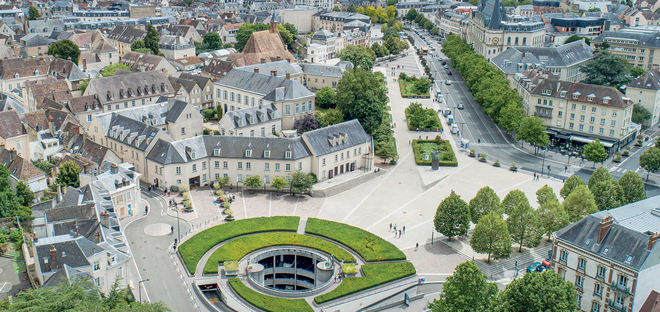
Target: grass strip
{"points": [[268, 303]]}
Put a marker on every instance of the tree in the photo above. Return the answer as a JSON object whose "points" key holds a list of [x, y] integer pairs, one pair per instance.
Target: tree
{"points": [[325, 98], [513, 199], [601, 174], [491, 236], [392, 44], [279, 183], [545, 194], [253, 181], [351, 8], [307, 123], [392, 2], [44, 166], [151, 40], [391, 11], [68, 174], [650, 161], [452, 218], [607, 194], [385, 150], [465, 291], [33, 13], [511, 115], [361, 57], [329, 117], [138, 44], [547, 292], [485, 202], [524, 226], [223, 182], [300, 182], [632, 188], [378, 49], [552, 216], [435, 31], [411, 15], [336, 9], [287, 37], [361, 96], [110, 70], [292, 30], [595, 152], [218, 111], [577, 38], [606, 69], [212, 41], [532, 131], [580, 203], [65, 49], [570, 184], [637, 71], [640, 114], [24, 193]]}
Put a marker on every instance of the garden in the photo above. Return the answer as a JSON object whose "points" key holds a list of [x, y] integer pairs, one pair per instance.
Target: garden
{"points": [[422, 118], [268, 303], [422, 148], [412, 86]]}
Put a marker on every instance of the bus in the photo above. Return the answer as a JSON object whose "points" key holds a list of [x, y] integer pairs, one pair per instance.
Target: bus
{"points": [[425, 50]]}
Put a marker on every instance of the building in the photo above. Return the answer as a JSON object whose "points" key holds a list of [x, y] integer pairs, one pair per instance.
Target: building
{"points": [[102, 53], [240, 89], [561, 26], [645, 91], [491, 30], [261, 121], [188, 91], [128, 89], [141, 62], [317, 76], [123, 36], [611, 256], [206, 86], [563, 61], [334, 22], [15, 72], [326, 152], [316, 53], [637, 44], [33, 45], [301, 17], [188, 63], [228, 32], [578, 112], [403, 7], [13, 135], [85, 108], [585, 5], [175, 47], [21, 169], [450, 22], [323, 4]]}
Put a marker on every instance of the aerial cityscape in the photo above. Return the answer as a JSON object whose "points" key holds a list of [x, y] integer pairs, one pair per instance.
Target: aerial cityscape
{"points": [[250, 155]]}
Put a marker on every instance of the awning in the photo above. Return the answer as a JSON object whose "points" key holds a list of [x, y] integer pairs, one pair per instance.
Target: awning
{"points": [[589, 140], [36, 187]]}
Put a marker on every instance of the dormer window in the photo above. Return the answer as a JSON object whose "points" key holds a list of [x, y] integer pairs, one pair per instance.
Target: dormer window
{"points": [[606, 99], [575, 96], [590, 98], [562, 94], [16, 75], [192, 155], [163, 87], [121, 93], [267, 154], [216, 152], [248, 153], [253, 120], [287, 154]]}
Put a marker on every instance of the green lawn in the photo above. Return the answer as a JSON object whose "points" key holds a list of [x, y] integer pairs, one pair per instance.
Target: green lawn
{"points": [[369, 246], [268, 303], [407, 89], [374, 274], [192, 250], [238, 248], [426, 147], [17, 258]]}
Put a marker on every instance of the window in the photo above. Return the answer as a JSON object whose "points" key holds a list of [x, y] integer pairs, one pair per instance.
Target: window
{"points": [[178, 170], [194, 167], [613, 123], [582, 118], [572, 116], [203, 165], [217, 164], [248, 165], [611, 132], [581, 127], [603, 111], [620, 300], [598, 289], [614, 113], [288, 167], [579, 301], [300, 166], [248, 153], [204, 177], [287, 154], [239, 178], [251, 133], [266, 177], [224, 165], [579, 280], [591, 128], [266, 154], [560, 114], [97, 265], [266, 166], [601, 130], [595, 306], [217, 176], [563, 255], [582, 263], [593, 109], [240, 165], [183, 131], [623, 280], [323, 162], [601, 272], [178, 182], [277, 167], [584, 108], [592, 119], [573, 106]]}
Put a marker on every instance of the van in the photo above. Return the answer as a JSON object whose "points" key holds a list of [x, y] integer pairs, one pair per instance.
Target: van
{"points": [[450, 118], [454, 129]]}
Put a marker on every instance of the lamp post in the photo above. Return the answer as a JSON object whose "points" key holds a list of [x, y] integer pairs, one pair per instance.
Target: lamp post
{"points": [[178, 224], [140, 288], [543, 164]]}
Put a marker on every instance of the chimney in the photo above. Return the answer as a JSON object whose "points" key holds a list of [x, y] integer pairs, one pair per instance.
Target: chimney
{"points": [[288, 75], [653, 238], [105, 219], [53, 258], [273, 72], [603, 227], [263, 60], [114, 168], [279, 58], [84, 65], [256, 70], [59, 193]]}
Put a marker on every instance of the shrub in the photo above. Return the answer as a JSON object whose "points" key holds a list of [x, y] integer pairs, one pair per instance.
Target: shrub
{"points": [[369, 246], [225, 204], [617, 159], [268, 303], [496, 163], [626, 153], [473, 153], [186, 195], [229, 212], [184, 188], [216, 132], [193, 249], [349, 268], [238, 248], [482, 157], [374, 275], [219, 193], [446, 153], [174, 188]]}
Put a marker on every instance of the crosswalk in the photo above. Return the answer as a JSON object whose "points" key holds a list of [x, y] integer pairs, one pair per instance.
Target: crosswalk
{"points": [[617, 169]]}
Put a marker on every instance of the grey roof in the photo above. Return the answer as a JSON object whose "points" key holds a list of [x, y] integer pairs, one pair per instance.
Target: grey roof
{"points": [[322, 35], [265, 85], [562, 56], [66, 274], [646, 36], [282, 68], [35, 40], [200, 80], [649, 80], [68, 252], [109, 89], [187, 84], [176, 107], [131, 132], [320, 140], [166, 153], [165, 110], [637, 216], [492, 13], [243, 117], [322, 70]]}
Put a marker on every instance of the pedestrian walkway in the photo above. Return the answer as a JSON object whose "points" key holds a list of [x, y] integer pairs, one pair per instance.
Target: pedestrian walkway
{"points": [[302, 225]]}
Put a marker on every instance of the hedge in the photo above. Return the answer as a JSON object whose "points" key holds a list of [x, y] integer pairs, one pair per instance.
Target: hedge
{"points": [[448, 153], [238, 248], [405, 94], [375, 274], [268, 303], [431, 113], [369, 246], [193, 249]]}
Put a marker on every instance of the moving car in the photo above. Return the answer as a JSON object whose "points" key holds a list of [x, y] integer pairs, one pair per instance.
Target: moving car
{"points": [[448, 82], [460, 106], [538, 267], [446, 66]]}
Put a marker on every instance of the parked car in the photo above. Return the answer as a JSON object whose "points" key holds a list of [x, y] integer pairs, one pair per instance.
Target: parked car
{"points": [[446, 66], [460, 106], [538, 267], [448, 82]]}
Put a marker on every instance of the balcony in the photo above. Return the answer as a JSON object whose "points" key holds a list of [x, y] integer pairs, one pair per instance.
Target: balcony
{"points": [[544, 115], [616, 307], [620, 288]]}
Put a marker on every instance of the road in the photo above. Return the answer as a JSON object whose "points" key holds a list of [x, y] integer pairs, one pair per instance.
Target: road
{"points": [[152, 256]]}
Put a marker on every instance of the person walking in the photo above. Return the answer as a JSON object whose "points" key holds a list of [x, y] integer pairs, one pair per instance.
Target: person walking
{"points": [[390, 226], [416, 246], [172, 230], [404, 229], [146, 210], [534, 176], [399, 233]]}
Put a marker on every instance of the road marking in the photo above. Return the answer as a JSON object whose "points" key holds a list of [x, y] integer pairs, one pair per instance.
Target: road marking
{"points": [[613, 168], [244, 206], [624, 171], [638, 169], [322, 205], [160, 203], [296, 206]]}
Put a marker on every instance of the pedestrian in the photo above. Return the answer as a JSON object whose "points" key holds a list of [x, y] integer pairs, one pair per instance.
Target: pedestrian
{"points": [[399, 233], [171, 229], [394, 227], [478, 140], [565, 168], [146, 210], [534, 176], [404, 229], [416, 246], [390, 226], [427, 137]]}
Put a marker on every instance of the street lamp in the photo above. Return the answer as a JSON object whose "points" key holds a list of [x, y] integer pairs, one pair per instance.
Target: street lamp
{"points": [[543, 164], [139, 288]]}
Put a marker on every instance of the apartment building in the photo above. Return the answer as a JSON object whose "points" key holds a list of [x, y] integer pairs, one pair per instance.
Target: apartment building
{"points": [[240, 89], [326, 152], [260, 121], [176, 47], [123, 36], [206, 86], [141, 62], [563, 61], [611, 257], [15, 72], [645, 91], [129, 89], [317, 76], [187, 91], [13, 135], [638, 45], [578, 112], [334, 22], [450, 22]]}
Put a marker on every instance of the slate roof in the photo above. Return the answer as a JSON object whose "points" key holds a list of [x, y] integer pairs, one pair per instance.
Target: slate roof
{"points": [[11, 125], [282, 68], [200, 80], [319, 139], [322, 70], [112, 87], [649, 80], [265, 85], [242, 118], [66, 274], [67, 252], [492, 13], [93, 151], [7, 102], [645, 36], [562, 56], [24, 67], [166, 153], [189, 85], [131, 132], [66, 69], [84, 103], [141, 61], [127, 34]]}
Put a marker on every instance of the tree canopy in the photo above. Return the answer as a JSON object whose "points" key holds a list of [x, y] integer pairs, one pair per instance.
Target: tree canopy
{"points": [[326, 98], [632, 188], [569, 185], [151, 40], [361, 57], [545, 194], [68, 174], [553, 217], [452, 218], [606, 69], [547, 292], [524, 226], [33, 13], [580, 203], [650, 161], [532, 131], [65, 49], [111, 69], [595, 152], [640, 113], [491, 236], [301, 181], [361, 96], [485, 202], [465, 291], [513, 199]]}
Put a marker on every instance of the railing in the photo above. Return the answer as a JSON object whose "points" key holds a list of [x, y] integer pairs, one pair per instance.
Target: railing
{"points": [[369, 292], [616, 306], [620, 288]]}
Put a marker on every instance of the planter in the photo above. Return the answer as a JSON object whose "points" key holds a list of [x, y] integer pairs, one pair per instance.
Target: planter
{"points": [[496, 164], [228, 218], [514, 169], [482, 160], [617, 159]]}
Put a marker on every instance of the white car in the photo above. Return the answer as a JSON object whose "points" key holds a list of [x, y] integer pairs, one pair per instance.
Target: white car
{"points": [[448, 82]]}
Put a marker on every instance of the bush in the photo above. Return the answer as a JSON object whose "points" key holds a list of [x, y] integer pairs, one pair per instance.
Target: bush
{"points": [[313, 177], [419, 117], [186, 195], [349, 268], [473, 153], [225, 204], [193, 249], [369, 246], [617, 159], [206, 131], [238, 248], [414, 87], [219, 193], [446, 153], [374, 275], [268, 303], [626, 153], [184, 188], [174, 188], [482, 157], [216, 132], [496, 163], [208, 113]]}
